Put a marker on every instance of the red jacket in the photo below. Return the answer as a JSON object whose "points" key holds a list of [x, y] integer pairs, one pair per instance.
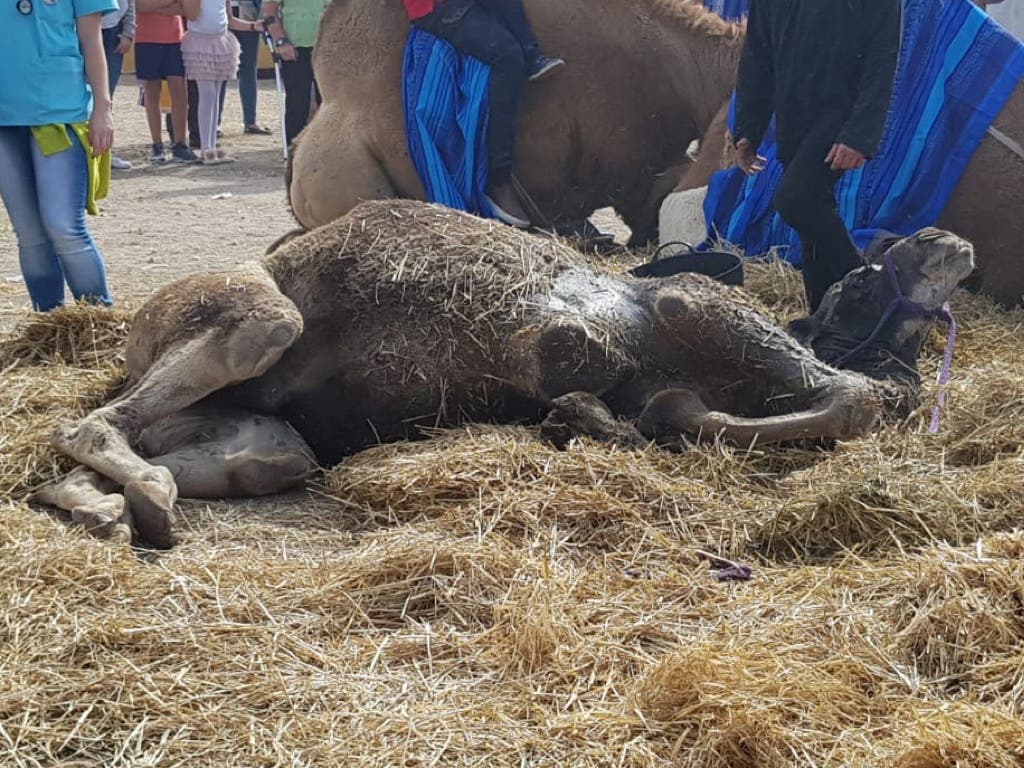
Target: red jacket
{"points": [[419, 8]]}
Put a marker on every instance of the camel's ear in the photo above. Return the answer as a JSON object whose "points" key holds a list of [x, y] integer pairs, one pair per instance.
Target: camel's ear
{"points": [[882, 242], [804, 329]]}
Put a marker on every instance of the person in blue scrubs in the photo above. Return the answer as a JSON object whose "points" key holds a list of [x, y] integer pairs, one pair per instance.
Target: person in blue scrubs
{"points": [[54, 75]]}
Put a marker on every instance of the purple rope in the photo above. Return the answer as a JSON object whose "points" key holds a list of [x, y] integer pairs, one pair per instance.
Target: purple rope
{"points": [[946, 369]]}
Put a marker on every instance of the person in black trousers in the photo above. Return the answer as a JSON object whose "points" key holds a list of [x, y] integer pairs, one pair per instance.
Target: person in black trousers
{"points": [[826, 69], [497, 33]]}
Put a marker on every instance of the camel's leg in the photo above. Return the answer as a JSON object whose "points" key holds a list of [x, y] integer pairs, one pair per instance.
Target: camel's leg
{"points": [[673, 412], [92, 501], [581, 414], [332, 170], [225, 354], [840, 404], [217, 454]]}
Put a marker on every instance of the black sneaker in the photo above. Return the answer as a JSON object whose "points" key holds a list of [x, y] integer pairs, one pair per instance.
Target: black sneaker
{"points": [[182, 154], [542, 65], [158, 153]]}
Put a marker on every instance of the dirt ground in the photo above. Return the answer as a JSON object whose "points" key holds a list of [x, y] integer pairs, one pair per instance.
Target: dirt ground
{"points": [[162, 222]]}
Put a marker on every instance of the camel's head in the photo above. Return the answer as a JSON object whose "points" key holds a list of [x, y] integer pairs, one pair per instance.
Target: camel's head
{"points": [[876, 319]]}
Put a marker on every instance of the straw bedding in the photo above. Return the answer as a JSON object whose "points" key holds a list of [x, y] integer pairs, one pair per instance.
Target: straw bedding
{"points": [[481, 598]]}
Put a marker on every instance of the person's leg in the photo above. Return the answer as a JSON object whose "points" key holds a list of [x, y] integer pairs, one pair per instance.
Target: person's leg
{"points": [[221, 95], [208, 98], [297, 77], [148, 68], [806, 201], [193, 113], [62, 182], [513, 16], [115, 60], [179, 107], [174, 71], [248, 92], [481, 34], [152, 90], [40, 266]]}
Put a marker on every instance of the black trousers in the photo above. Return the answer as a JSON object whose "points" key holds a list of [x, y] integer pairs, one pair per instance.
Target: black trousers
{"points": [[497, 33], [806, 200], [299, 88]]}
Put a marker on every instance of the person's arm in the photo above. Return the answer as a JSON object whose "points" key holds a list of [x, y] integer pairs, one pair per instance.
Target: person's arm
{"points": [[240, 24], [755, 85], [191, 9], [101, 121], [882, 27], [276, 30], [127, 28]]}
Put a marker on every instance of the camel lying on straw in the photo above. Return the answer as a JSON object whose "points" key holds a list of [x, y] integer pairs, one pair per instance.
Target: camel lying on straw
{"points": [[403, 315]]}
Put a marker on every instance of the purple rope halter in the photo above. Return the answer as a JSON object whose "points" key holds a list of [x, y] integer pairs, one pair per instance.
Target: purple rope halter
{"points": [[901, 303]]}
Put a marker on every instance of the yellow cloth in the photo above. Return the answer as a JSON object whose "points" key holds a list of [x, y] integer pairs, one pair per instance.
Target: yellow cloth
{"points": [[54, 138]]}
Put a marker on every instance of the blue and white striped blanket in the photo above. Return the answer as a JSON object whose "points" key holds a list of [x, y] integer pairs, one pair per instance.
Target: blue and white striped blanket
{"points": [[956, 71], [446, 111]]}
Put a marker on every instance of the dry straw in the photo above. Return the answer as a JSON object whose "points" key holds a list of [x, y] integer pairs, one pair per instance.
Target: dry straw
{"points": [[480, 598]]}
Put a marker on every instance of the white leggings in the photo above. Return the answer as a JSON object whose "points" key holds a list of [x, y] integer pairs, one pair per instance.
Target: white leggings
{"points": [[209, 100]]}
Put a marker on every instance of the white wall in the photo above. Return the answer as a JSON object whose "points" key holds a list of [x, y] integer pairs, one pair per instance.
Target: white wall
{"points": [[1009, 14]]}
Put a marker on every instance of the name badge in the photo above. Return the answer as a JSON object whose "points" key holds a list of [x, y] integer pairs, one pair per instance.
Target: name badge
{"points": [[24, 7]]}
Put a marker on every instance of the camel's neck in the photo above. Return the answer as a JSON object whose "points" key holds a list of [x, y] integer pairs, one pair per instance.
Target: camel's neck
{"points": [[700, 65]]}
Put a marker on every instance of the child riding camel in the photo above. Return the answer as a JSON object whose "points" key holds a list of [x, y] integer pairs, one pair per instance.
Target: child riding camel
{"points": [[497, 33]]}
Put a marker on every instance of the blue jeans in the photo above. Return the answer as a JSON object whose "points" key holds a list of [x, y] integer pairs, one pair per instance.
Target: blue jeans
{"points": [[115, 61], [45, 199], [247, 91]]}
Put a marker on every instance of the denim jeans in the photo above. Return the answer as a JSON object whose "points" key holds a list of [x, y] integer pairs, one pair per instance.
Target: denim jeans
{"points": [[250, 43], [115, 61], [45, 199]]}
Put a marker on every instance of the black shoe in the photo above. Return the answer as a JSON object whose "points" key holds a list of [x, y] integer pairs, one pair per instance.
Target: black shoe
{"points": [[158, 154], [182, 154], [542, 65]]}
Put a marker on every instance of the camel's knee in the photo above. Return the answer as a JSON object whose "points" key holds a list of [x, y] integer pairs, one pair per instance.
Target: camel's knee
{"points": [[855, 408], [252, 348]]}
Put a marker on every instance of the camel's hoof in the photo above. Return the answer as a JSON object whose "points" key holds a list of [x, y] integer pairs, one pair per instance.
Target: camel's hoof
{"points": [[103, 526], [147, 503]]}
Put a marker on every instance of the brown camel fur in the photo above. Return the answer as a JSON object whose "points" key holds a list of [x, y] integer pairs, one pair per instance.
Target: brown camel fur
{"points": [[401, 315], [643, 79]]}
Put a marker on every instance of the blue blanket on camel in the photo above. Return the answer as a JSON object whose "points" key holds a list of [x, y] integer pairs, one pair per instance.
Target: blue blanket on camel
{"points": [[446, 111]]}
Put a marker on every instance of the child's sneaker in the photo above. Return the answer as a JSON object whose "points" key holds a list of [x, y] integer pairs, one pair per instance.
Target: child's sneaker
{"points": [[182, 154], [158, 155]]}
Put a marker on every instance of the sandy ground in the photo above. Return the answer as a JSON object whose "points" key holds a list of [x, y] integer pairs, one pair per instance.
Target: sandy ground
{"points": [[162, 222]]}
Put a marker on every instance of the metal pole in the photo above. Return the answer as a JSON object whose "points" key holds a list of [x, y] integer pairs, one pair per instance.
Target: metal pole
{"points": [[280, 89]]}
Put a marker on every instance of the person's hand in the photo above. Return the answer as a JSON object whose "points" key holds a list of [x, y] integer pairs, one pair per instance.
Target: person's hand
{"points": [[287, 52], [844, 158], [257, 26], [124, 45], [101, 130], [747, 158]]}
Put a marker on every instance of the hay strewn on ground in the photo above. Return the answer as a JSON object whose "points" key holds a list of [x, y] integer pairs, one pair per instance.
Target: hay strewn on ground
{"points": [[481, 598]]}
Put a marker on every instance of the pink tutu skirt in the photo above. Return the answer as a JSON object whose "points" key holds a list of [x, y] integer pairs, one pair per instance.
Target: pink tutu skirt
{"points": [[210, 57]]}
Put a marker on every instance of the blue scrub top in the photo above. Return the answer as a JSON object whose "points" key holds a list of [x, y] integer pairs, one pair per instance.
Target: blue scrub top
{"points": [[42, 78]]}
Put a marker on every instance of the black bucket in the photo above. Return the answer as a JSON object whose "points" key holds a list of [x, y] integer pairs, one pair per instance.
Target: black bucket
{"points": [[720, 265]]}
